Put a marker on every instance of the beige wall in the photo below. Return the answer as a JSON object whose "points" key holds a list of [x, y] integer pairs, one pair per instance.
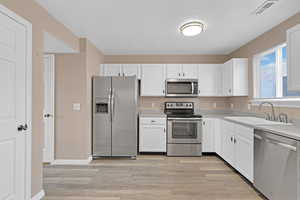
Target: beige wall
{"points": [[41, 21], [164, 59], [270, 39], [73, 85]]}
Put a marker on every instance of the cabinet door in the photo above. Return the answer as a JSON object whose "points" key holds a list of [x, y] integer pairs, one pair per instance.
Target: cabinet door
{"points": [[227, 142], [174, 71], [190, 71], [112, 69], [131, 70], [209, 80], [208, 135], [240, 77], [218, 138], [153, 80], [293, 58], [227, 78], [244, 156], [152, 139]]}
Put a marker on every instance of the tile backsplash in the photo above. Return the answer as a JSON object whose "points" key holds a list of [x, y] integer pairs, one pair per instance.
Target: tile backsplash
{"points": [[203, 103]]}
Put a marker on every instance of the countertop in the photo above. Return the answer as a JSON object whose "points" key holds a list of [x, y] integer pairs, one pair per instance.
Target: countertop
{"points": [[290, 131]]}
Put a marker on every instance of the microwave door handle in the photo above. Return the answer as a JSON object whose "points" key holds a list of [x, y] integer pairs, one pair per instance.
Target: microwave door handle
{"points": [[193, 88]]}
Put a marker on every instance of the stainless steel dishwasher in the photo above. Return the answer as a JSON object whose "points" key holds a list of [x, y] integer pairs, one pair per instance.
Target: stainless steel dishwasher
{"points": [[275, 166]]}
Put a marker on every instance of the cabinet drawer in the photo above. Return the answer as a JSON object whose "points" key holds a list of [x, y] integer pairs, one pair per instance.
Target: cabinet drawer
{"points": [[153, 121], [245, 132]]}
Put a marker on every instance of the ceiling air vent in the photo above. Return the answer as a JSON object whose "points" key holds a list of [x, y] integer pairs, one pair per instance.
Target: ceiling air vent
{"points": [[264, 6]]}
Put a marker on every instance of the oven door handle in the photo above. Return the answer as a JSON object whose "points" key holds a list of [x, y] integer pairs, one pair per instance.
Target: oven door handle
{"points": [[186, 121]]}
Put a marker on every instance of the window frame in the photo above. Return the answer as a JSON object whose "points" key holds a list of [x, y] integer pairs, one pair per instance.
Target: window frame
{"points": [[279, 100]]}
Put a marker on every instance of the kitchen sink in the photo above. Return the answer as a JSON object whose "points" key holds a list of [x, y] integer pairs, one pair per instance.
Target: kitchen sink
{"points": [[256, 121]]}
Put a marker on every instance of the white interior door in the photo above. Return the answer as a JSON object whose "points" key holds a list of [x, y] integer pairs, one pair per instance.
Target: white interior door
{"points": [[14, 122], [49, 103]]}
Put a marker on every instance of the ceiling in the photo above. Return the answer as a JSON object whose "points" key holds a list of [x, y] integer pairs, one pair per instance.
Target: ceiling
{"points": [[151, 26]]}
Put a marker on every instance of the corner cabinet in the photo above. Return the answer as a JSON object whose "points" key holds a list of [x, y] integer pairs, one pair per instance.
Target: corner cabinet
{"points": [[235, 77], [293, 58], [238, 147], [153, 80], [210, 80]]}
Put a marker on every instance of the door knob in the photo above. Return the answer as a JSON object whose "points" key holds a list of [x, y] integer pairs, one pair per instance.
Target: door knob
{"points": [[22, 127]]}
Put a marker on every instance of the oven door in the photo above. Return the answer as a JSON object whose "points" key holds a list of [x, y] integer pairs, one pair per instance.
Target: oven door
{"points": [[184, 130], [182, 88]]}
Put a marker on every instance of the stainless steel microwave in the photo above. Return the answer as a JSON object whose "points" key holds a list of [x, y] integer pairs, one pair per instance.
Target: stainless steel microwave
{"points": [[182, 87]]}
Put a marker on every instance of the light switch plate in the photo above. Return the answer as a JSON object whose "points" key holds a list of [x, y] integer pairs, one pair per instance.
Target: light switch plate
{"points": [[76, 106]]}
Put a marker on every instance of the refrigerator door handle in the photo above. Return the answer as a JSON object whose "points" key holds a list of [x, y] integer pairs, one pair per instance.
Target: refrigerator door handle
{"points": [[109, 100], [112, 103]]}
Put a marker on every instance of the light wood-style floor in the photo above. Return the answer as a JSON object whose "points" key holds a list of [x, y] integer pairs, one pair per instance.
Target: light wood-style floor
{"points": [[148, 178]]}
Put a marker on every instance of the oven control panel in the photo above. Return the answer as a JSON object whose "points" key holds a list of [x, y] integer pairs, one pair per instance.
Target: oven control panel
{"points": [[179, 105]]}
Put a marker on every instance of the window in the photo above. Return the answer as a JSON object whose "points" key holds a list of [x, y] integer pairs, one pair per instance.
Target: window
{"points": [[271, 75]]}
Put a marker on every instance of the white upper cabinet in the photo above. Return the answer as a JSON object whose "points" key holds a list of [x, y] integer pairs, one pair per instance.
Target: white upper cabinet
{"points": [[132, 70], [293, 58], [153, 80], [210, 80], [190, 71], [235, 77], [120, 70], [112, 70], [174, 71], [186, 71]]}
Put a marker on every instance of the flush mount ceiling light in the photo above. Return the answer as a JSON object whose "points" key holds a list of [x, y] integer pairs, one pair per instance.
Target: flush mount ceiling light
{"points": [[192, 28]]}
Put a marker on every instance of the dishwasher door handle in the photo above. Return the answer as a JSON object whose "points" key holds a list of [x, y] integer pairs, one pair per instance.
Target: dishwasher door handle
{"points": [[275, 142], [258, 137], [286, 146]]}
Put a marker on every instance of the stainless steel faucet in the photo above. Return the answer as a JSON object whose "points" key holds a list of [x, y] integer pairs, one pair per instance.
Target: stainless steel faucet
{"points": [[283, 117], [273, 116]]}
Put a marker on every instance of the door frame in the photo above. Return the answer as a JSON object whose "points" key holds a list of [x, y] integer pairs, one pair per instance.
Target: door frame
{"points": [[51, 58], [28, 27]]}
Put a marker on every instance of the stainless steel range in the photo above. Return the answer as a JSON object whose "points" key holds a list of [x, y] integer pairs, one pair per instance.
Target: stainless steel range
{"points": [[184, 129]]}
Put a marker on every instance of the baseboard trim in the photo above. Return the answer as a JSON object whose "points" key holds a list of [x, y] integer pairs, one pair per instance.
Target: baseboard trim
{"points": [[39, 195], [71, 162]]}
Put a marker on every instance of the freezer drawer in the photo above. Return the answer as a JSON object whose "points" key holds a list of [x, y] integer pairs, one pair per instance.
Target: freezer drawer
{"points": [[275, 166]]}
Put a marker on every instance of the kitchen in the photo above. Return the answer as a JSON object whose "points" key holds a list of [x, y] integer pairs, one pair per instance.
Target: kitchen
{"points": [[192, 101]]}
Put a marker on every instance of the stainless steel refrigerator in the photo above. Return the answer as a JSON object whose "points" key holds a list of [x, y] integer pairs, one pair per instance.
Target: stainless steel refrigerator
{"points": [[114, 116]]}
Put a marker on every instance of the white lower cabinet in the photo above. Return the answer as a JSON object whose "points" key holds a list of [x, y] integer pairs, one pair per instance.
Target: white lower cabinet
{"points": [[152, 136], [238, 148], [208, 135]]}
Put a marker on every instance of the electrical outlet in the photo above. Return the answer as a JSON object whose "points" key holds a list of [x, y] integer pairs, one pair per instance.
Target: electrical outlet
{"points": [[249, 106], [153, 105], [215, 105], [231, 106]]}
